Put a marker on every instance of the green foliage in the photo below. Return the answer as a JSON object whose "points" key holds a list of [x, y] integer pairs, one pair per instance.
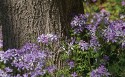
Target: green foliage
{"points": [[113, 6]]}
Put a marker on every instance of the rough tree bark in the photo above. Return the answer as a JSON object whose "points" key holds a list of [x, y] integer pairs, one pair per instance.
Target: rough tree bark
{"points": [[24, 20]]}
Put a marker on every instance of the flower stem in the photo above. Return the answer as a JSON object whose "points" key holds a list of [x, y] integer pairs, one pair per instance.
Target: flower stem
{"points": [[89, 54]]}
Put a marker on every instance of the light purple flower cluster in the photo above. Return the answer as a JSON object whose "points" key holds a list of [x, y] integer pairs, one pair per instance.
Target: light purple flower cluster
{"points": [[123, 3], [82, 21], [51, 69], [74, 74], [46, 38], [100, 72], [83, 45], [94, 0], [115, 32], [4, 74], [78, 23], [99, 26], [93, 43], [7, 69], [71, 64], [92, 28], [96, 20], [30, 59], [1, 43]]}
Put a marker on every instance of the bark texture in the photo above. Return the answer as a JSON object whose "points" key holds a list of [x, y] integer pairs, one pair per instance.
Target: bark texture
{"points": [[24, 20]]}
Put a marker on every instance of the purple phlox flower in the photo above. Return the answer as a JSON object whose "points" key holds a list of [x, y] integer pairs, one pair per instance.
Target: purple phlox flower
{"points": [[51, 69], [52, 37], [99, 17], [104, 11], [115, 31], [74, 22], [96, 15], [25, 75], [86, 15], [1, 56], [1, 43], [74, 74], [92, 29], [71, 43], [7, 69], [89, 27], [37, 73], [83, 45], [43, 38], [94, 43], [109, 34], [18, 75], [99, 72], [34, 74], [106, 58], [103, 71], [123, 27], [118, 27], [9, 54], [40, 64], [42, 55], [94, 0], [71, 64], [29, 48], [29, 57], [78, 30], [123, 3], [78, 22], [46, 38], [106, 20], [4, 74]]}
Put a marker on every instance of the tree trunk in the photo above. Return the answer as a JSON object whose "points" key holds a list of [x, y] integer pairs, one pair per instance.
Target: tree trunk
{"points": [[24, 20]]}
